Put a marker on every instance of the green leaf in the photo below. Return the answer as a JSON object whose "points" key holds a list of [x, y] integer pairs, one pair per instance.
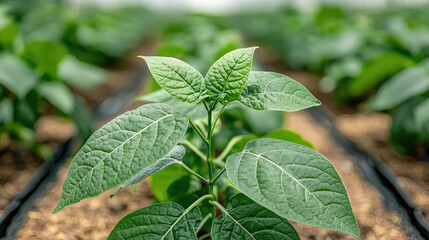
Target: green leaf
{"points": [[377, 70], [45, 55], [16, 75], [159, 221], [82, 118], [6, 110], [195, 112], [173, 157], [227, 76], [290, 136], [121, 149], [255, 121], [293, 181], [421, 114], [178, 78], [8, 35], [79, 74], [161, 181], [58, 94], [404, 132], [406, 84], [245, 219], [274, 91]]}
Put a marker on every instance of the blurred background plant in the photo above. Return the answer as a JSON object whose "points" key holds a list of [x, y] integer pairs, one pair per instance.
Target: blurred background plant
{"points": [[51, 52]]}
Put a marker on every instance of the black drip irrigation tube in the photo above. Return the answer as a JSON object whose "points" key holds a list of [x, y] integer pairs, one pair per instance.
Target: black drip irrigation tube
{"points": [[15, 212]]}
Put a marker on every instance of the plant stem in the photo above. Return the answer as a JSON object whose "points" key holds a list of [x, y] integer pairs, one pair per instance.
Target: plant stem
{"points": [[198, 131], [218, 205], [194, 173], [217, 117], [201, 225], [204, 236], [194, 149], [228, 147], [220, 174], [199, 201], [210, 158]]}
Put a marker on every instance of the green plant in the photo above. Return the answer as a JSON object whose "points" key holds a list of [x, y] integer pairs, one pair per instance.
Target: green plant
{"points": [[275, 180]]}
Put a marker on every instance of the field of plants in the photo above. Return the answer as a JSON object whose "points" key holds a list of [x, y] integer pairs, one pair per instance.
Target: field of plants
{"points": [[119, 122]]}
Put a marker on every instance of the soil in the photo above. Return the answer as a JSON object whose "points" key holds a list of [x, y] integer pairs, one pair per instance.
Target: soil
{"points": [[94, 218], [16, 167]]}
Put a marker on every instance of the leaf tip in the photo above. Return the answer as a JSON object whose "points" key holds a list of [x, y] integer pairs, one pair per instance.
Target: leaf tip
{"points": [[57, 208], [317, 102]]}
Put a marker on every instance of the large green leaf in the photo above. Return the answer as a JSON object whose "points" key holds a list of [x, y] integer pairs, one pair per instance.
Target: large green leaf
{"points": [[58, 94], [168, 221], [121, 149], [16, 75], [406, 84], [246, 220], [293, 181], [173, 157], [227, 76], [161, 96], [178, 78], [377, 70], [274, 91]]}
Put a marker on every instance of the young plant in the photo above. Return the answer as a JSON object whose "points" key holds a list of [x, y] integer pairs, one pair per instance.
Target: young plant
{"points": [[275, 180]]}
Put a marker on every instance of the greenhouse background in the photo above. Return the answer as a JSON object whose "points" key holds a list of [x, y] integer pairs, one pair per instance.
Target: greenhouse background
{"points": [[67, 68]]}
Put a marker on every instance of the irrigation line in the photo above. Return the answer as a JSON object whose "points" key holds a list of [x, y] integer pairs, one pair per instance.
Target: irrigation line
{"points": [[15, 212]]}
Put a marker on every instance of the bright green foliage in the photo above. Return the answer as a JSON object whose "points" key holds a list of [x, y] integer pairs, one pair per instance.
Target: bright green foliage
{"points": [[378, 70], [227, 77], [58, 94], [45, 55], [167, 221], [178, 78], [121, 149], [280, 180], [16, 75], [274, 91], [294, 182], [408, 83], [80, 74], [245, 219]]}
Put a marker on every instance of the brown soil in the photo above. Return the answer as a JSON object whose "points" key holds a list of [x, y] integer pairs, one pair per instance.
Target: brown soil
{"points": [[94, 218], [16, 168], [90, 219]]}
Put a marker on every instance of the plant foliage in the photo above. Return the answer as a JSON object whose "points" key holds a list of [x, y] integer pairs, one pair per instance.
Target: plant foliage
{"points": [[277, 179]]}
